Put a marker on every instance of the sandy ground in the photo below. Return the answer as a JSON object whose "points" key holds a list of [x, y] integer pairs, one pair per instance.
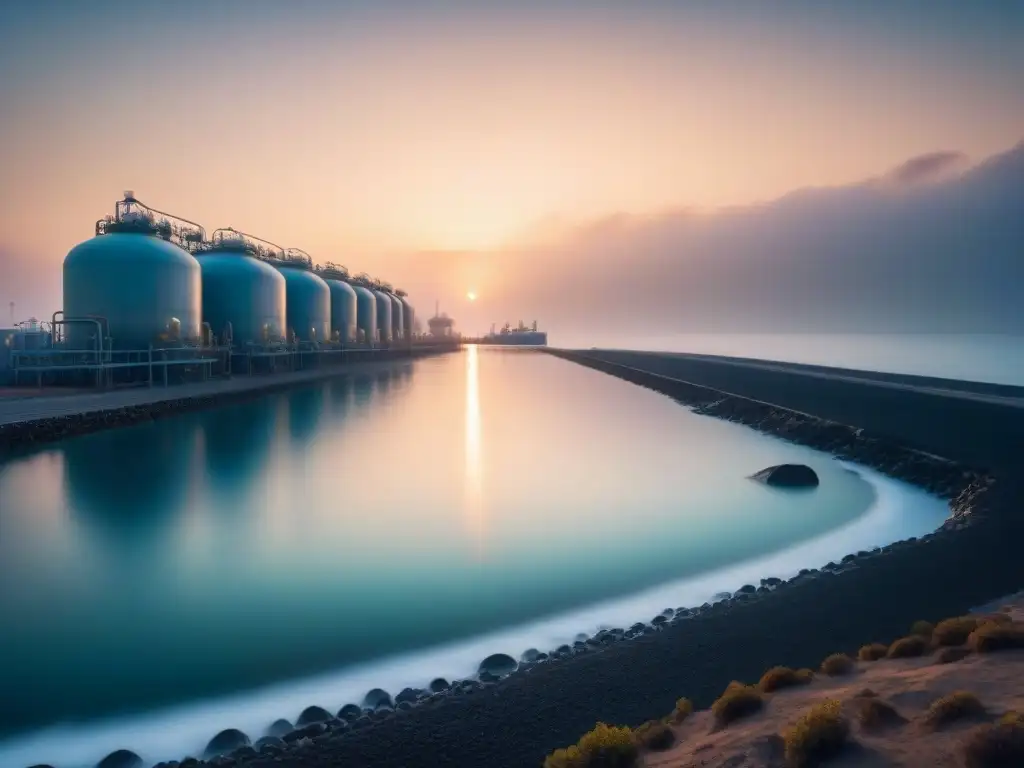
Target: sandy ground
{"points": [[910, 686]]}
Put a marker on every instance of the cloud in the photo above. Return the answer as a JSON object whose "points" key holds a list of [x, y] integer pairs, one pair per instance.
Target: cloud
{"points": [[928, 167]]}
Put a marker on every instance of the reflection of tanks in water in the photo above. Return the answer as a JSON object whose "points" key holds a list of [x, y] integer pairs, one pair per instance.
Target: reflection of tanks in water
{"points": [[305, 408], [237, 441], [133, 482], [341, 392], [362, 389]]}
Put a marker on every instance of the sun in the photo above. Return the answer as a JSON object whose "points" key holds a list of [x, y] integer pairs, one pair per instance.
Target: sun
{"points": [[471, 296]]}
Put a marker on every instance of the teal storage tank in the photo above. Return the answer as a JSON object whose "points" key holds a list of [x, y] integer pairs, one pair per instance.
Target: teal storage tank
{"points": [[344, 304], [408, 315], [366, 311], [241, 292], [135, 277], [383, 316], [397, 318], [308, 299]]}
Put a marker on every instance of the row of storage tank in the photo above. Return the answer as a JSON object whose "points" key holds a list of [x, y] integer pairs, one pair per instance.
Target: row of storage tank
{"points": [[133, 286]]}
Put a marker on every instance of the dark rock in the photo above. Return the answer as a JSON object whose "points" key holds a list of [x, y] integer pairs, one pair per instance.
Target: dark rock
{"points": [[243, 753], [377, 698], [541, 657], [530, 655], [122, 758], [746, 589], [313, 714], [404, 706], [306, 732], [499, 665], [279, 728], [719, 596], [487, 677], [659, 620], [351, 712], [563, 650], [788, 476], [438, 684], [225, 742], [270, 744], [408, 695], [771, 582], [582, 637]]}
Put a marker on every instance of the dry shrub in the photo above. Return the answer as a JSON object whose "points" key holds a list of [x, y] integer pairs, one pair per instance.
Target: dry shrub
{"points": [[655, 736], [818, 735], [872, 652], [996, 746], [736, 702], [875, 714], [922, 629], [777, 678], [958, 705], [684, 708], [996, 637], [955, 631], [604, 747], [838, 664], [865, 693], [908, 647], [952, 654]]}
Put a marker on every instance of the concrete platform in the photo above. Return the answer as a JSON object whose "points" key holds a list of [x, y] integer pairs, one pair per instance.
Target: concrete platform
{"points": [[21, 407]]}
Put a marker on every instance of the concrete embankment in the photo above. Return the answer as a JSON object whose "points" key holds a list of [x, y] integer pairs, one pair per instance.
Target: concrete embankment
{"points": [[974, 557], [26, 422]]}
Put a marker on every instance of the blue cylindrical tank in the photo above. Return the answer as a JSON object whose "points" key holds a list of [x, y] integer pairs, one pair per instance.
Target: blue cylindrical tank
{"points": [[366, 312], [308, 302], [408, 317], [148, 290], [244, 291], [397, 320], [343, 310], [383, 316]]}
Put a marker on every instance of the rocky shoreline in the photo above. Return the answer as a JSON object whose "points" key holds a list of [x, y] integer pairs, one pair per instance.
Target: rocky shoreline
{"points": [[516, 712], [24, 436]]}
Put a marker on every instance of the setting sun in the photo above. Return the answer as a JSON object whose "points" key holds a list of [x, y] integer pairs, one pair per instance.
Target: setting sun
{"points": [[471, 296]]}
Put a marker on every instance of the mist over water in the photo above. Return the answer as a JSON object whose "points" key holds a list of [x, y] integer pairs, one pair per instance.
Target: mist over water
{"points": [[212, 582]]}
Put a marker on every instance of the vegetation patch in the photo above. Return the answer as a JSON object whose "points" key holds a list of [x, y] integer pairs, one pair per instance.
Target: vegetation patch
{"points": [[683, 709], [996, 746], [922, 629], [996, 637], [955, 631], [872, 652], [908, 647], [873, 714], [655, 736], [838, 664], [959, 705], [606, 746], [778, 678], [737, 702], [818, 735]]}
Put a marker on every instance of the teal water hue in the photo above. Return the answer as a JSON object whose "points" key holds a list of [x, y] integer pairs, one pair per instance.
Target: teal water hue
{"points": [[391, 510]]}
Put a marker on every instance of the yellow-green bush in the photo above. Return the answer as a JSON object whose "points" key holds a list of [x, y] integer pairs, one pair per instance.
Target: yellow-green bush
{"points": [[684, 708], [837, 664], [988, 638], [908, 647], [955, 631], [922, 629], [872, 652], [996, 746], [873, 713], [818, 735], [655, 736], [777, 678], [606, 746], [736, 702], [956, 706]]}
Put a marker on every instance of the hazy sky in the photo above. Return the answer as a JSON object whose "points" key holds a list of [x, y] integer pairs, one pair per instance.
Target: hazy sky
{"points": [[356, 130]]}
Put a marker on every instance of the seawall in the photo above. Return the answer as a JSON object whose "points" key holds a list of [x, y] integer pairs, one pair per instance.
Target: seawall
{"points": [[26, 423]]}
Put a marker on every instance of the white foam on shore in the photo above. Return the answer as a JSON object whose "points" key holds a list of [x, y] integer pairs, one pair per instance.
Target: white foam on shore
{"points": [[898, 512]]}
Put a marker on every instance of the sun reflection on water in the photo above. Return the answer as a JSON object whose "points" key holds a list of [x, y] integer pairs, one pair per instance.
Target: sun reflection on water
{"points": [[473, 505]]}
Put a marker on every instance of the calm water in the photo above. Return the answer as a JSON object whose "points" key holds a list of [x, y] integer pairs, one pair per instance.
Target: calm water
{"points": [[345, 528]]}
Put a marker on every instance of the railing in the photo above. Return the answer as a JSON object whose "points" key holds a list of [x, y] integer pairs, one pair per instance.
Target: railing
{"points": [[132, 215]]}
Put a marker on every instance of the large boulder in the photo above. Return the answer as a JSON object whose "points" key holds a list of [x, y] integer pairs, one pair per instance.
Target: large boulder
{"points": [[377, 699], [225, 743], [122, 758], [788, 476], [312, 715], [498, 665]]}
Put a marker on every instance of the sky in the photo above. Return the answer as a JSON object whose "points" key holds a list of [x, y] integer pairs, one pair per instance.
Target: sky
{"points": [[416, 140]]}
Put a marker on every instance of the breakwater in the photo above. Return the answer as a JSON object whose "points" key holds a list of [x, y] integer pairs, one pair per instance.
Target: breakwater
{"points": [[56, 418]]}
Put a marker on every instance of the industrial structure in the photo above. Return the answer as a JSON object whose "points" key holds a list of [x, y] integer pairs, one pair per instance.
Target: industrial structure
{"points": [[150, 298], [521, 336]]}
